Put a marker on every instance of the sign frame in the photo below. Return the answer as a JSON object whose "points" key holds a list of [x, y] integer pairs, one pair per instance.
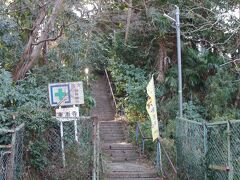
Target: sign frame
{"points": [[66, 94]]}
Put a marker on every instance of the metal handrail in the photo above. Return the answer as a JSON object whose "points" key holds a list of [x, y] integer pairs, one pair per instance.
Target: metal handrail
{"points": [[159, 144], [169, 160], [138, 130], [110, 86]]}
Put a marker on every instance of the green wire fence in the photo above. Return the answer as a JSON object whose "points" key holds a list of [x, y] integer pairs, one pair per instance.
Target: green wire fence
{"points": [[208, 150]]}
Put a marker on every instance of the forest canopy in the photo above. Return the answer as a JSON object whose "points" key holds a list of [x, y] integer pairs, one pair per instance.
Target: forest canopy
{"points": [[43, 41]]}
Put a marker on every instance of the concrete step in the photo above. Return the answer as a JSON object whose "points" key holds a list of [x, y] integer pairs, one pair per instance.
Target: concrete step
{"points": [[120, 151], [111, 140], [107, 136], [118, 156], [118, 146], [124, 156], [111, 123], [112, 131], [131, 174], [137, 178], [123, 159]]}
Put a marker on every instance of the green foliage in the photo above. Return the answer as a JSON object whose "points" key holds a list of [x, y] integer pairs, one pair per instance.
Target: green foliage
{"points": [[193, 112], [10, 42], [220, 97], [130, 83], [8, 98], [28, 102], [208, 37]]}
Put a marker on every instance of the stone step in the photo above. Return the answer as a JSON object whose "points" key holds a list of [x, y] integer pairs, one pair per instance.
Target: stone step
{"points": [[102, 116], [112, 133], [107, 136], [124, 159], [137, 178], [131, 174], [111, 128], [113, 141], [120, 151], [118, 146], [122, 155], [111, 123], [117, 139], [114, 121]]}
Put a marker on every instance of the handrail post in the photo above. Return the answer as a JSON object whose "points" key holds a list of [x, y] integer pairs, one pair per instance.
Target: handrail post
{"points": [[137, 133], [159, 157], [143, 146]]}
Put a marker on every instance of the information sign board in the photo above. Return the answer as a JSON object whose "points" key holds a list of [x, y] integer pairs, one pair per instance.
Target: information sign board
{"points": [[66, 94]]}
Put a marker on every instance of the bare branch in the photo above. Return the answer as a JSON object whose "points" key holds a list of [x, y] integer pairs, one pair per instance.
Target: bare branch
{"points": [[51, 39]]}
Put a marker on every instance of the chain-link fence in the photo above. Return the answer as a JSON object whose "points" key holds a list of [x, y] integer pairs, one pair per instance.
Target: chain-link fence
{"points": [[70, 157], [208, 150], [11, 152]]}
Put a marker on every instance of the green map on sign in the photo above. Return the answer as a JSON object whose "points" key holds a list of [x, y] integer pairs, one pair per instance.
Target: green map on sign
{"points": [[60, 94]]}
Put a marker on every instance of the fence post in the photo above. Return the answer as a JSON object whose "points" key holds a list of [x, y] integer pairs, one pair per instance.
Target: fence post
{"points": [[94, 150], [177, 144], [205, 149], [11, 169], [230, 166], [62, 144], [98, 151]]}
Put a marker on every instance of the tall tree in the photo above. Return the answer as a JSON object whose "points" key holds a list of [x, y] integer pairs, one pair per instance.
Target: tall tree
{"points": [[42, 25]]}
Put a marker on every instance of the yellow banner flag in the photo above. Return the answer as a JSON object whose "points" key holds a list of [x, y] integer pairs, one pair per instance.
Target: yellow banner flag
{"points": [[152, 109]]}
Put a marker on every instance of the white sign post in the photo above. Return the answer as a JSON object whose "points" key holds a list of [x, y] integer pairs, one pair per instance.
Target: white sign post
{"points": [[62, 144], [70, 112], [66, 94]]}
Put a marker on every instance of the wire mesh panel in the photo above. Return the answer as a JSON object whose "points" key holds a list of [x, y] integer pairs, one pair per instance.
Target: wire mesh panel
{"points": [[208, 150], [11, 151], [217, 155], [53, 139], [4, 163], [77, 149], [235, 148], [190, 150]]}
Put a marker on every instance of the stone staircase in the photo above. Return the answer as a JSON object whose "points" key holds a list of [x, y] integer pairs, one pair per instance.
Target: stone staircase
{"points": [[104, 109], [121, 159]]}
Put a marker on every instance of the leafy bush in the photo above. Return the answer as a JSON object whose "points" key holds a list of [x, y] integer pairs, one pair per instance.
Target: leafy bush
{"points": [[27, 101]]}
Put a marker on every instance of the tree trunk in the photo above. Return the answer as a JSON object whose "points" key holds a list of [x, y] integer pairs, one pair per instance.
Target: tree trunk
{"points": [[162, 63], [128, 20], [32, 52]]}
